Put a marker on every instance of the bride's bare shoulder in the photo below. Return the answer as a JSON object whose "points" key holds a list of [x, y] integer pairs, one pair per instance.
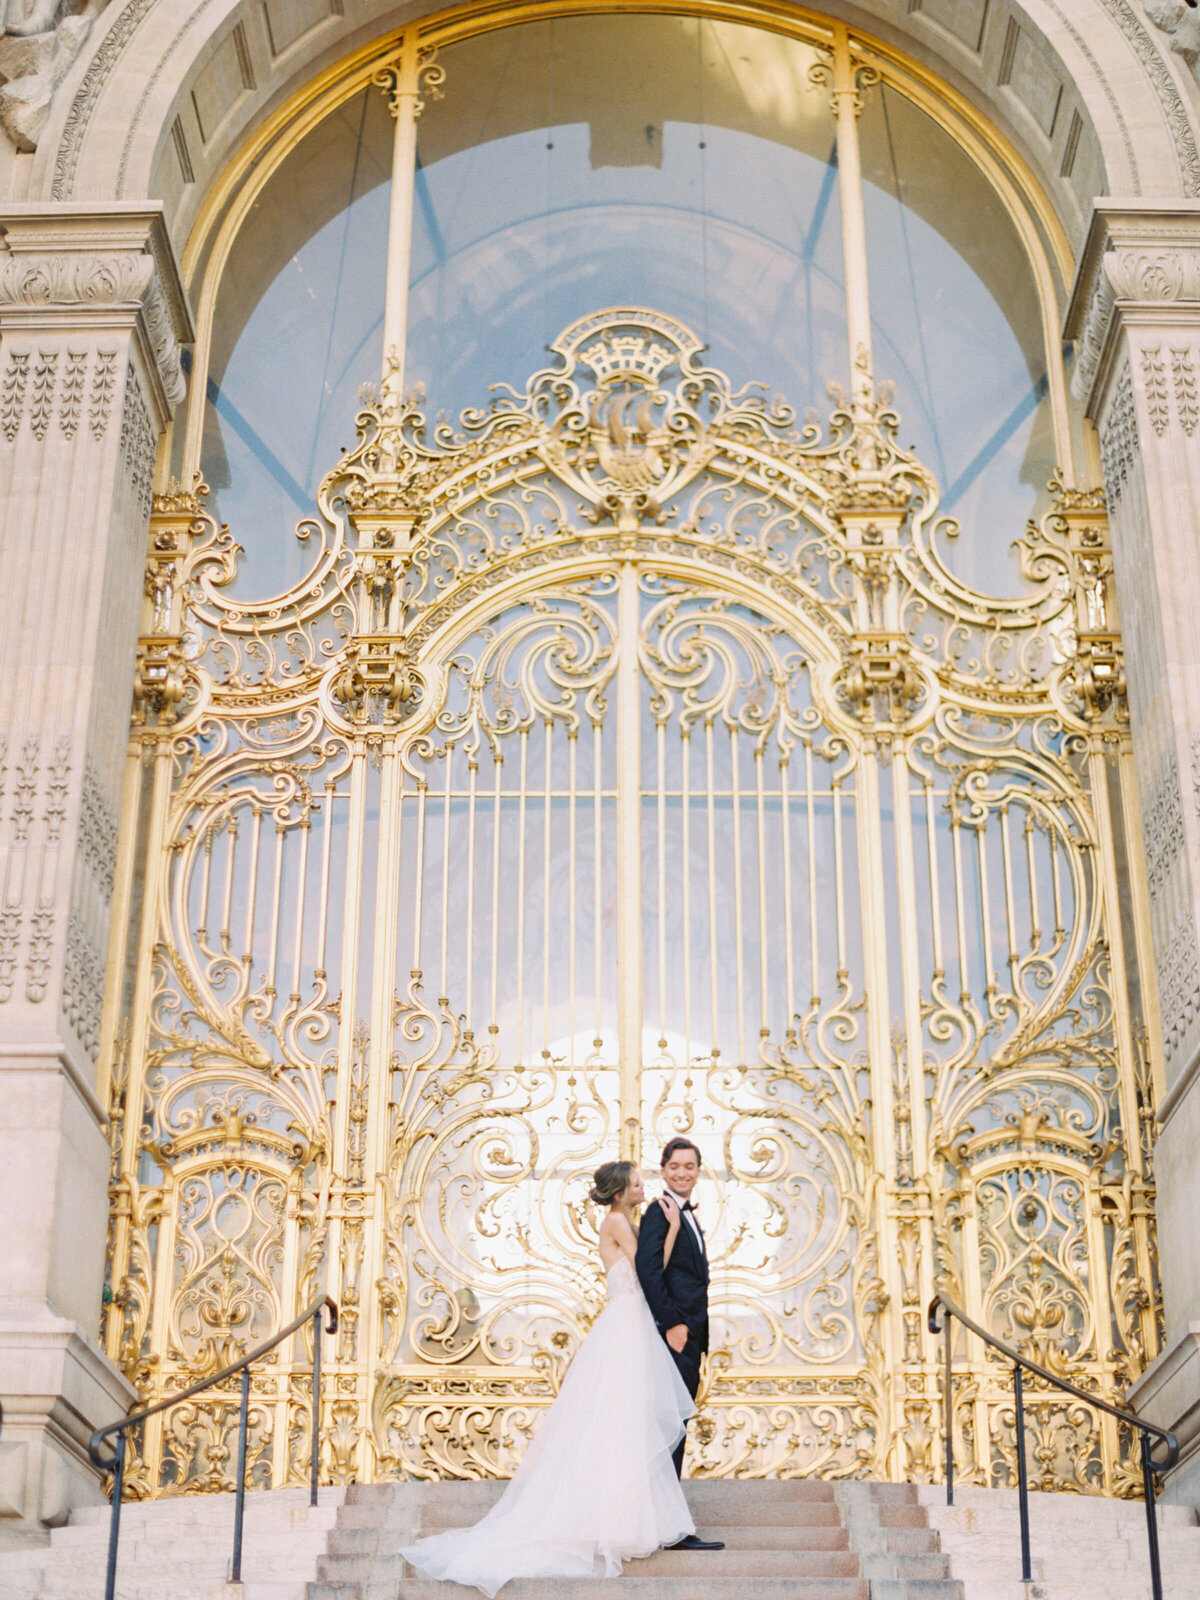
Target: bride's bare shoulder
{"points": [[616, 1238], [617, 1226]]}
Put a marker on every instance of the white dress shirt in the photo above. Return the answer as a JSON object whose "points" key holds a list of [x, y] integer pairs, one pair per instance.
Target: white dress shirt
{"points": [[689, 1216]]}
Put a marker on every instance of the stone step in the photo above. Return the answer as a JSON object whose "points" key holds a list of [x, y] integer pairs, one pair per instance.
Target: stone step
{"points": [[1093, 1509], [155, 1588], [691, 1564], [623, 1588], [151, 1543], [352, 1542], [189, 1508]]}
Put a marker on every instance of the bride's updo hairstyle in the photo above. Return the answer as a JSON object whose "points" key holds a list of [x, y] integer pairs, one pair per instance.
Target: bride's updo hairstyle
{"points": [[610, 1182]]}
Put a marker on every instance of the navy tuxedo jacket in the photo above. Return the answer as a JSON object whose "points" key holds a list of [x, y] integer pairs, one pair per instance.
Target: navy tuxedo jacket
{"points": [[679, 1292]]}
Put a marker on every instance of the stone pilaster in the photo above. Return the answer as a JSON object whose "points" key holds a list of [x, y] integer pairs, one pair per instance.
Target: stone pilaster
{"points": [[91, 317], [1135, 315]]}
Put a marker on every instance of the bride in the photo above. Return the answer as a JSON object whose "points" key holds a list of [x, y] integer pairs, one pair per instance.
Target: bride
{"points": [[597, 1485]]}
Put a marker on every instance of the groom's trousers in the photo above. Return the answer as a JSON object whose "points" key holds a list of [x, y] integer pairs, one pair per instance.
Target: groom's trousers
{"points": [[688, 1362]]}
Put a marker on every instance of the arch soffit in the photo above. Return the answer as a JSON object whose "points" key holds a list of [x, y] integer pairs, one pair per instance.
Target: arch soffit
{"points": [[166, 95]]}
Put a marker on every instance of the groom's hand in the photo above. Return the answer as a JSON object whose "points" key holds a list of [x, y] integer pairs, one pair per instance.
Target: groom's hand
{"points": [[677, 1337]]}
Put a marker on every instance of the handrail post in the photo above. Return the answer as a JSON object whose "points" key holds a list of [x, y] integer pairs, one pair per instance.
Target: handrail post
{"points": [[1022, 1480], [114, 1524], [948, 1403], [239, 1505], [1151, 1518], [315, 1464]]}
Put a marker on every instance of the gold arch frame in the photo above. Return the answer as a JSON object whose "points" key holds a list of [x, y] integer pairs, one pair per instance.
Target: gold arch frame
{"points": [[1038, 225]]}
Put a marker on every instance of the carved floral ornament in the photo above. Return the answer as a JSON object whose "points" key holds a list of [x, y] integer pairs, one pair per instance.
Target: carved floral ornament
{"points": [[1130, 259], [33, 281]]}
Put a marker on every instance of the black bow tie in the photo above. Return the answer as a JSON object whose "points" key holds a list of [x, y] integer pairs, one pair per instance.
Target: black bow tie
{"points": [[687, 1206]]}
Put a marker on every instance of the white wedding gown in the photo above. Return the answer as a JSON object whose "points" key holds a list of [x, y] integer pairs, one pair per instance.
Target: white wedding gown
{"points": [[597, 1485]]}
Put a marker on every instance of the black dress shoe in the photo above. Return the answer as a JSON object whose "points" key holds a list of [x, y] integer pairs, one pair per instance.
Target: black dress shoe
{"points": [[692, 1541]]}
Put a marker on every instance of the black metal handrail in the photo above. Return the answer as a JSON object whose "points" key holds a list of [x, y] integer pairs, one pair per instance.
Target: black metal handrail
{"points": [[120, 1430], [1147, 1431]]}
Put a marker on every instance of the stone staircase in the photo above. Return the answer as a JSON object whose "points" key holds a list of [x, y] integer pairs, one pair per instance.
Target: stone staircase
{"points": [[1084, 1547], [783, 1541], [795, 1540]]}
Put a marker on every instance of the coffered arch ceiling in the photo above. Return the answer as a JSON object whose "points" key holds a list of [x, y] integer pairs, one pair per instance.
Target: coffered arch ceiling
{"points": [[166, 92]]}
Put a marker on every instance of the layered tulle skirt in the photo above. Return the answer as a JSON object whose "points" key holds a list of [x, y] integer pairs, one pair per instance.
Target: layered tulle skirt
{"points": [[597, 1485]]}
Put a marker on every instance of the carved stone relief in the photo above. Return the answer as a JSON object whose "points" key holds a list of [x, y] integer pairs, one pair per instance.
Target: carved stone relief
{"points": [[137, 445], [36, 772], [39, 42], [71, 385], [83, 986], [1162, 828], [1178, 968], [1155, 275], [1142, 44], [1154, 381], [94, 280], [97, 832], [1119, 439]]}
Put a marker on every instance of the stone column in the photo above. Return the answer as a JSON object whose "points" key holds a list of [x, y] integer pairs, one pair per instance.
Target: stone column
{"points": [[1135, 314], [92, 313]]}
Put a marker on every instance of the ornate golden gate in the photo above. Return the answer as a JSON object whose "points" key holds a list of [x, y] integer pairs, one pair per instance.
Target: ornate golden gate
{"points": [[629, 763]]}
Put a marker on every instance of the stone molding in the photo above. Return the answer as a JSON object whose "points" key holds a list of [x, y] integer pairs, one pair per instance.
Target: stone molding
{"points": [[74, 266], [1139, 255]]}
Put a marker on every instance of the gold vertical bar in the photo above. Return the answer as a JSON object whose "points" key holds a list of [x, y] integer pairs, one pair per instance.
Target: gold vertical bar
{"points": [[472, 795], [446, 819], [629, 859], [326, 856], [1056, 887], [524, 779], [157, 872], [813, 944], [406, 107], [226, 936], [252, 886], [205, 881], [419, 875], [935, 888], [910, 953], [1035, 912], [846, 106], [762, 885], [301, 896], [548, 801], [276, 902], [1114, 933], [1010, 910], [660, 748], [712, 878], [128, 839], [960, 911], [497, 771], [685, 784], [789, 943], [572, 886], [839, 872], [597, 873], [739, 965]]}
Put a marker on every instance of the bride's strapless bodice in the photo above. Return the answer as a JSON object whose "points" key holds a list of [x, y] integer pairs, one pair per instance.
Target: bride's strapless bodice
{"points": [[621, 1278]]}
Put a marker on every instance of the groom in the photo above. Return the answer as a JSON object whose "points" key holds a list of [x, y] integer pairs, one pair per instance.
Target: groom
{"points": [[677, 1294]]}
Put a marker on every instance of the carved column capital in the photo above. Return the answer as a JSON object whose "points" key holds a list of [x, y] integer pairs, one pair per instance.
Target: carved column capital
{"points": [[74, 266], [1140, 262]]}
